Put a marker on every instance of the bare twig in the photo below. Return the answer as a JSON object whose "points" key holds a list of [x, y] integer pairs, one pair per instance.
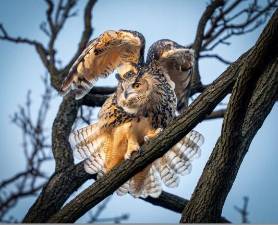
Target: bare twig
{"points": [[6, 37], [221, 59], [87, 31], [243, 211], [95, 216], [36, 149], [227, 20], [41, 50]]}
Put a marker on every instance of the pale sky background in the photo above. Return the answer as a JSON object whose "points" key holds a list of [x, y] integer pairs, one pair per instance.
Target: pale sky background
{"points": [[20, 70]]}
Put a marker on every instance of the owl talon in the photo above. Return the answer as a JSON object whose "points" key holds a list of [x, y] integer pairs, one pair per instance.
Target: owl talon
{"points": [[146, 139], [141, 151], [158, 130], [129, 153], [151, 135], [127, 156]]}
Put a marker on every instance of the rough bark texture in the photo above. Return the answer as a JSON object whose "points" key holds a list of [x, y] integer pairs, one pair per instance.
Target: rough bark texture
{"points": [[177, 203], [254, 90], [56, 192], [60, 132]]}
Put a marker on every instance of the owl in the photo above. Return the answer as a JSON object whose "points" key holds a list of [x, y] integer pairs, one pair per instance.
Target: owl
{"points": [[144, 103]]}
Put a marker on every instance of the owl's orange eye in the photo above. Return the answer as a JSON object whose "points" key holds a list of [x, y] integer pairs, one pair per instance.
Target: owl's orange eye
{"points": [[136, 85]]}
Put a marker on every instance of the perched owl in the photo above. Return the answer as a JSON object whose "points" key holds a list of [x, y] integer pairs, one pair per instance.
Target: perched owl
{"points": [[144, 103]]}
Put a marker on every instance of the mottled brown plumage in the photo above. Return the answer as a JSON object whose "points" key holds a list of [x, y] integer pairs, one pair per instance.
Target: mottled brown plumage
{"points": [[144, 103]]}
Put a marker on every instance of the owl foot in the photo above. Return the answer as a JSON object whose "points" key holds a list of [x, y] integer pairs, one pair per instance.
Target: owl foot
{"points": [[100, 174], [146, 139], [141, 151], [152, 134], [130, 152]]}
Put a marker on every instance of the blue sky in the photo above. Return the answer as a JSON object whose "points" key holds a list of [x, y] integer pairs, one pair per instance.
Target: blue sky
{"points": [[21, 70]]}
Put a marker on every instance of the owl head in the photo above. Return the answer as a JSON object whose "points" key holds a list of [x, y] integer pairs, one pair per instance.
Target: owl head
{"points": [[134, 91]]}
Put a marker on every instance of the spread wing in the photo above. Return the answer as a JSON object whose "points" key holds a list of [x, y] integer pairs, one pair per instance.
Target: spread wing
{"points": [[101, 57], [178, 62]]}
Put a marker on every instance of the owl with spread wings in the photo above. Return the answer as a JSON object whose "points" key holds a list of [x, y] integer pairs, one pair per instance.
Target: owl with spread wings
{"points": [[144, 103]]}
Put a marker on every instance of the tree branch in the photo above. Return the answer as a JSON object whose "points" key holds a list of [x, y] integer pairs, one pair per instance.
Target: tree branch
{"points": [[243, 211], [85, 37], [60, 133], [221, 59], [43, 53], [55, 193], [216, 114], [87, 32], [47, 55], [6, 37], [225, 23], [36, 151], [254, 90]]}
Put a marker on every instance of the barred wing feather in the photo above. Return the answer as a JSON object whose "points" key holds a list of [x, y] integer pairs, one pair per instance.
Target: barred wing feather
{"points": [[101, 57]]}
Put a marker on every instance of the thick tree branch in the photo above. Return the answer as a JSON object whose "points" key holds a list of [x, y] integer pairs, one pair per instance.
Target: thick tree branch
{"points": [[60, 132], [206, 205], [55, 193], [168, 201], [254, 90], [103, 90], [97, 96]]}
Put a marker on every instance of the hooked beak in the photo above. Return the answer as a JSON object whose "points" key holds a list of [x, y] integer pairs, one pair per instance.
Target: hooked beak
{"points": [[128, 91]]}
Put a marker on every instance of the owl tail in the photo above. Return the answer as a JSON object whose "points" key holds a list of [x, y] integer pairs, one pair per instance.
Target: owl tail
{"points": [[145, 183]]}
